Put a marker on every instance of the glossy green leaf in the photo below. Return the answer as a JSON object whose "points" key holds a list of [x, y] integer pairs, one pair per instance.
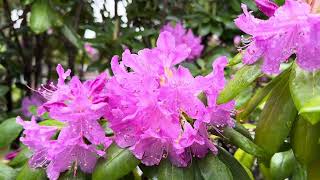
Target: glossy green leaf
{"points": [[9, 131], [238, 171], [211, 167], [242, 142], [6, 172], [305, 141], [241, 129], [169, 171], [282, 164], [313, 106], [276, 119], [258, 96], [28, 173], [21, 158], [52, 122], [241, 80], [119, 162], [305, 86], [40, 20], [244, 158]]}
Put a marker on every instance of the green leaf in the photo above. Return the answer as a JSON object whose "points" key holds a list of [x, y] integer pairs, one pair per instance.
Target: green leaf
{"points": [[276, 119], [313, 106], [52, 122], [259, 95], [150, 172], [305, 86], [242, 142], [313, 171], [211, 167], [119, 162], [305, 141], [282, 164], [21, 158], [300, 173], [169, 171], [40, 20], [237, 170], [235, 60], [28, 173], [6, 172], [241, 80], [3, 90], [244, 158], [72, 36], [10, 130], [241, 129]]}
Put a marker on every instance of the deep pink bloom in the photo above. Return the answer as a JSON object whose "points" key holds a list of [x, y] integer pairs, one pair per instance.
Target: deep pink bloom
{"points": [[267, 7], [183, 36], [155, 109], [292, 30]]}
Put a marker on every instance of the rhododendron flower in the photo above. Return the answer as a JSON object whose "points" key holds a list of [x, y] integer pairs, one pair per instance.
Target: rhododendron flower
{"points": [[266, 6], [91, 51], [155, 109], [183, 36], [34, 100], [79, 106], [293, 29]]}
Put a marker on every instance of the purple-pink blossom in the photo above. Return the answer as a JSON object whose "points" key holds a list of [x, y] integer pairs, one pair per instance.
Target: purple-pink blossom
{"points": [[293, 29], [155, 109], [79, 106], [268, 7], [184, 36]]}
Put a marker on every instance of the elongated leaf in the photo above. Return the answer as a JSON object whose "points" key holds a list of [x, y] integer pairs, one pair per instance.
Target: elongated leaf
{"points": [[305, 141], [282, 164], [72, 36], [304, 86], [244, 158], [28, 173], [40, 19], [259, 95], [6, 172], [242, 79], [312, 106], [211, 167], [21, 158], [9, 130], [119, 162], [300, 173], [276, 119], [313, 171], [235, 60], [237, 170], [241, 129], [168, 171], [244, 143]]}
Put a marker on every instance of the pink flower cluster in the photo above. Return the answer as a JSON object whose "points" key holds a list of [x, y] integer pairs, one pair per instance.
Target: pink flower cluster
{"points": [[183, 36], [80, 107], [153, 108], [291, 29]]}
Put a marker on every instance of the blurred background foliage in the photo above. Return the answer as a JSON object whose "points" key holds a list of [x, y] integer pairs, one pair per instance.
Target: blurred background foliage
{"points": [[36, 35]]}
